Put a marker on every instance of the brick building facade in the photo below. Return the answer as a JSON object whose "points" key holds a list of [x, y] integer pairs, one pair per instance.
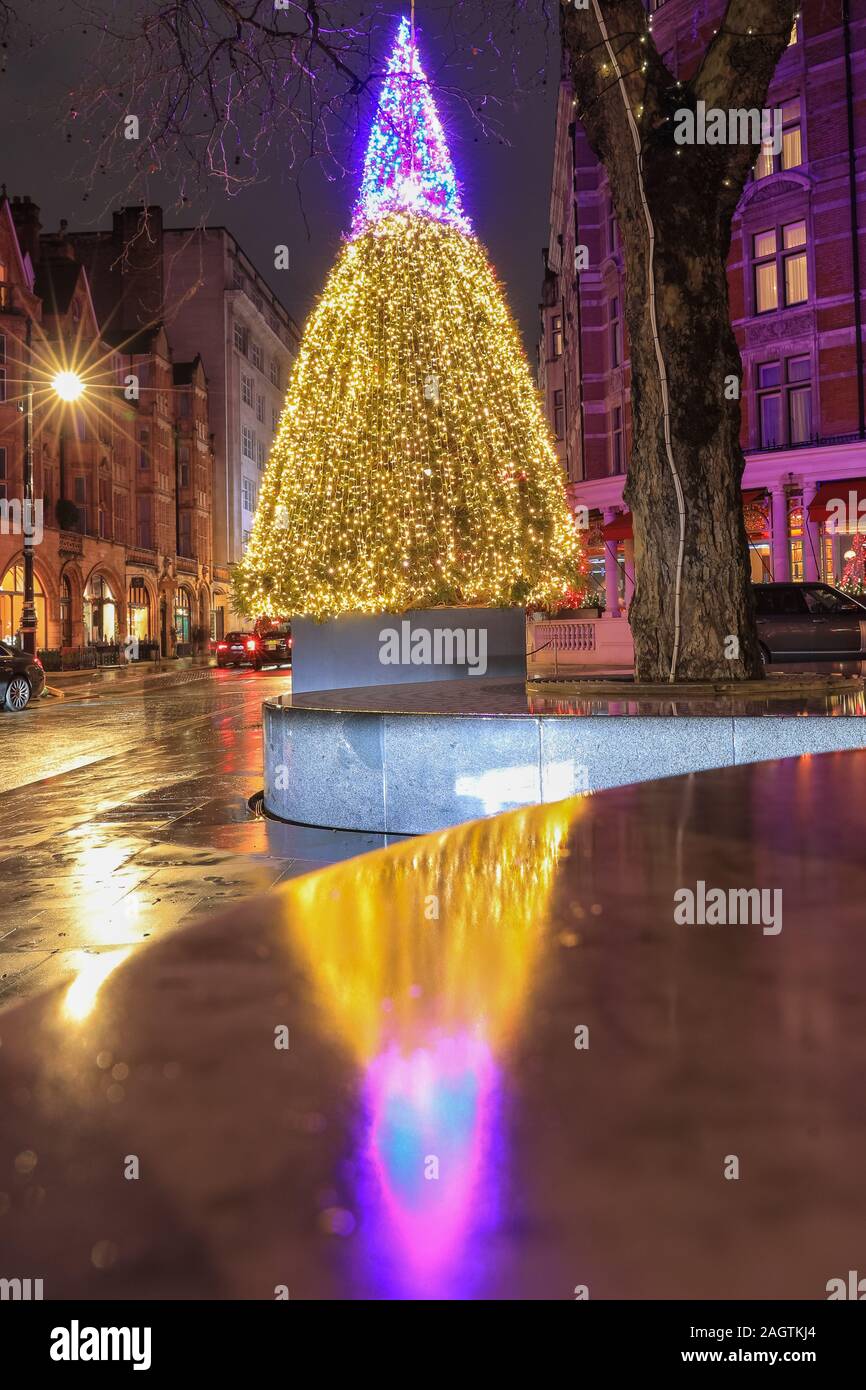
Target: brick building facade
{"points": [[124, 475], [796, 267]]}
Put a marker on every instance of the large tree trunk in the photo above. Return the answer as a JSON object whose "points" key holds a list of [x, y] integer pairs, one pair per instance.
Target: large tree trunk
{"points": [[692, 617]]}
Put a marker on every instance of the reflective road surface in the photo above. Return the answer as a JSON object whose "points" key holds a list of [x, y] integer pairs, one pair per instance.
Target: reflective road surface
{"points": [[494, 1062], [124, 816]]}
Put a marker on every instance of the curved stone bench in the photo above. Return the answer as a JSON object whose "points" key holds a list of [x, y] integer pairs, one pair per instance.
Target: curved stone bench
{"points": [[416, 758]]}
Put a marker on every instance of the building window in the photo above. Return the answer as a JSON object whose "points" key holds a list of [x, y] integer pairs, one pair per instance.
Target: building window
{"points": [[144, 523], [559, 414], [780, 261], [3, 471], [556, 336], [261, 453], [241, 338], [246, 389], [182, 614], [2, 383], [138, 611], [144, 449], [12, 602], [248, 489], [65, 612], [248, 443], [257, 356], [260, 408], [275, 371], [183, 464], [617, 451], [785, 402], [615, 332], [791, 153], [245, 539], [2, 347]]}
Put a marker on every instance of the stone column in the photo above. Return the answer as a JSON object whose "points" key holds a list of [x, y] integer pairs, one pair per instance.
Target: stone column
{"points": [[811, 538], [611, 572], [780, 545]]}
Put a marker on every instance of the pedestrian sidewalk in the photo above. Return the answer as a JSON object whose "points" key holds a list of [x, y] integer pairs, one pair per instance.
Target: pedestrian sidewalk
{"points": [[134, 676]]}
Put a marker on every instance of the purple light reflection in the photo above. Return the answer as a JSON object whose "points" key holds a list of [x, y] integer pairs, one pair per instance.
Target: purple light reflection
{"points": [[431, 1185]]}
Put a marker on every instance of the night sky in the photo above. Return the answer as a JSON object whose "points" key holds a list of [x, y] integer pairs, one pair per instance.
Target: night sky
{"points": [[505, 186]]}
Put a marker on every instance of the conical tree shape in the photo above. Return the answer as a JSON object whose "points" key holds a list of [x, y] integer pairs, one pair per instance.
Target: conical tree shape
{"points": [[413, 465]]}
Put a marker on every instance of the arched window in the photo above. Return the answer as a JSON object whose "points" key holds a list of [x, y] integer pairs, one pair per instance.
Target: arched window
{"points": [[138, 624], [182, 610], [65, 612], [100, 611], [12, 601]]}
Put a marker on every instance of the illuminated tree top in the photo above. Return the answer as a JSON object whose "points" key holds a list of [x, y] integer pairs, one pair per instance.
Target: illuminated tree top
{"points": [[407, 167]]}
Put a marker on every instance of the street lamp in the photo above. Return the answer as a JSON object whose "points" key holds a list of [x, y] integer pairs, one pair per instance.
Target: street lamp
{"points": [[69, 386]]}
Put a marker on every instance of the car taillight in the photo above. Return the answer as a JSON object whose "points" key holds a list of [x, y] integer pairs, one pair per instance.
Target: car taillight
{"points": [[251, 645], [38, 663], [222, 646]]}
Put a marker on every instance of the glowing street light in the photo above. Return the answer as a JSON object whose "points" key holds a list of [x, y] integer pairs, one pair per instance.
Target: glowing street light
{"points": [[68, 386]]}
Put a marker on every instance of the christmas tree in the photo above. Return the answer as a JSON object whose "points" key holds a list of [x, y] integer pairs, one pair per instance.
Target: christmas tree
{"points": [[853, 579], [412, 465]]}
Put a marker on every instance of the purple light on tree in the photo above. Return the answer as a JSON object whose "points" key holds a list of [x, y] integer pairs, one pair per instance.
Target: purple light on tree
{"points": [[407, 166]]}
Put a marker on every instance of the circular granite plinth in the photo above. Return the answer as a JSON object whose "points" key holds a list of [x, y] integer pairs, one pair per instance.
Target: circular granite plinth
{"points": [[411, 759]]}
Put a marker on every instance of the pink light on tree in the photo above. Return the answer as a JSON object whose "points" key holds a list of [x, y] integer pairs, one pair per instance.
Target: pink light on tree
{"points": [[407, 166]]}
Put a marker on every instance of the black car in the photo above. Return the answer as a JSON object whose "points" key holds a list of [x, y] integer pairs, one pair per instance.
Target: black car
{"points": [[809, 622], [22, 678]]}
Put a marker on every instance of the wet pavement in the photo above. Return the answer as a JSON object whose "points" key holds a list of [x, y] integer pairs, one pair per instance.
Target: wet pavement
{"points": [[495, 1062], [123, 815]]}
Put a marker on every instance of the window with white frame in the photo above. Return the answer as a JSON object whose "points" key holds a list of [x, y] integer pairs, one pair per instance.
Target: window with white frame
{"points": [[260, 408], [248, 443], [241, 338], [784, 391], [246, 389], [780, 267], [257, 356], [275, 371], [248, 492], [790, 156]]}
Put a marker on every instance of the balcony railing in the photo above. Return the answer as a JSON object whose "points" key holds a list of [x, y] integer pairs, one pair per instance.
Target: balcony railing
{"points": [[71, 543], [140, 555], [185, 565]]}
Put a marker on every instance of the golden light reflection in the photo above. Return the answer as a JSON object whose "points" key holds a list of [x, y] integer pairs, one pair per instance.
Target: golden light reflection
{"points": [[93, 971], [436, 937]]}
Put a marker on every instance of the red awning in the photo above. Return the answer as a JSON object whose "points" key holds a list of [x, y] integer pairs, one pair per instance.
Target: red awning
{"points": [[754, 494], [830, 493], [620, 529]]}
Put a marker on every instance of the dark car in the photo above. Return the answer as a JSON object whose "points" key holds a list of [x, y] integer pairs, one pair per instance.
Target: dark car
{"points": [[275, 636], [809, 622], [238, 649], [22, 678]]}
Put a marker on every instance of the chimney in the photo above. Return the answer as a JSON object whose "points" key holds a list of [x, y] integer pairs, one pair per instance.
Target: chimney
{"points": [[25, 215]]}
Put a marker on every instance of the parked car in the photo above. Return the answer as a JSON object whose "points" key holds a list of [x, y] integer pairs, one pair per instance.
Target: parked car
{"points": [[809, 622], [237, 649], [269, 646], [275, 635], [22, 678]]}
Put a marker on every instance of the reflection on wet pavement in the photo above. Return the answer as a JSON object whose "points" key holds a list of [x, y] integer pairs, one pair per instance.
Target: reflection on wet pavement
{"points": [[486, 1063], [126, 815]]}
